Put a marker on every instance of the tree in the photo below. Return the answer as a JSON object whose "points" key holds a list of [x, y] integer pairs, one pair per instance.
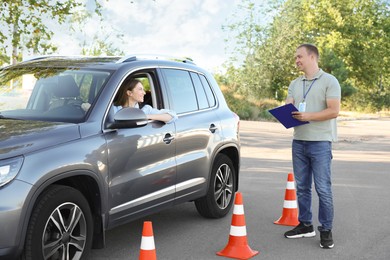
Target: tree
{"points": [[335, 26], [103, 41], [249, 34], [360, 63], [25, 24]]}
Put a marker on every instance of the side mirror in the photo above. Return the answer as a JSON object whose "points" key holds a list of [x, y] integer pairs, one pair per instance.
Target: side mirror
{"points": [[128, 117]]}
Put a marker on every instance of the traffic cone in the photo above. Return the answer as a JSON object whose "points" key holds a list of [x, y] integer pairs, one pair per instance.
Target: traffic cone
{"points": [[148, 250], [237, 246], [290, 210]]}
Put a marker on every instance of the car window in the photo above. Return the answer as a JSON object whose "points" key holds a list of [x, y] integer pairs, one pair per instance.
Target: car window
{"points": [[183, 92], [149, 89], [209, 92], [147, 83], [90, 84], [50, 94], [200, 94]]}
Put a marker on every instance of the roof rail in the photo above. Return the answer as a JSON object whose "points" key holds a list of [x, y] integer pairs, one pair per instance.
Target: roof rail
{"points": [[129, 58], [54, 56]]}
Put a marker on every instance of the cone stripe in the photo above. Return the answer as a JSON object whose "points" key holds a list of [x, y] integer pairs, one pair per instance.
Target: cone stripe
{"points": [[238, 210], [290, 185], [290, 195], [237, 231], [147, 243], [239, 220], [290, 204]]}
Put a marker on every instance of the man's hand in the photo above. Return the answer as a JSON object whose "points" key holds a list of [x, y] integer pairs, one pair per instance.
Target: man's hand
{"points": [[301, 116]]}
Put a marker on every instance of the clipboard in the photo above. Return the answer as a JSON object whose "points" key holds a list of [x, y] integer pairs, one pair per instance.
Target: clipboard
{"points": [[283, 115]]}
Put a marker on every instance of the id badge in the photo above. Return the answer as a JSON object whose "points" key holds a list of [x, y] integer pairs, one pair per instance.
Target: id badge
{"points": [[302, 107]]}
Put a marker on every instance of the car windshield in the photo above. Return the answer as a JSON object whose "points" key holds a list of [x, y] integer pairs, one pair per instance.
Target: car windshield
{"points": [[49, 94]]}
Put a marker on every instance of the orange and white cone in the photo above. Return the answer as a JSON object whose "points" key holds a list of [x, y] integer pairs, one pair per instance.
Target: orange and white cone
{"points": [[290, 210], [237, 246], [148, 250]]}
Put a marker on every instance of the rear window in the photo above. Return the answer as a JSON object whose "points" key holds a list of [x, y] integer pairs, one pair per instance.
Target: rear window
{"points": [[200, 93], [190, 91], [182, 89], [209, 92]]}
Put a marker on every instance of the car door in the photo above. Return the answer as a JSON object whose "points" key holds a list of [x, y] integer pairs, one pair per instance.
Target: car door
{"points": [[197, 131], [142, 167]]}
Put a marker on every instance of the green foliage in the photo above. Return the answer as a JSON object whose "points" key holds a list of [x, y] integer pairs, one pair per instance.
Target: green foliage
{"points": [[248, 107], [101, 47], [103, 41], [239, 106], [26, 28], [332, 64], [4, 58], [336, 25], [353, 37]]}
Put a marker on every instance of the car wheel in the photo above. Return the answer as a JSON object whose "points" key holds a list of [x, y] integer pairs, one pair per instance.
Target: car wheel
{"points": [[60, 226], [220, 195]]}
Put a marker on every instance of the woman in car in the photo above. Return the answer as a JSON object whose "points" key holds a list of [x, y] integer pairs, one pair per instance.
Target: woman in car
{"points": [[132, 93]]}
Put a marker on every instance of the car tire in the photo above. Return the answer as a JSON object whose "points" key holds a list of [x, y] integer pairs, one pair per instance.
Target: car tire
{"points": [[220, 195], [60, 226]]}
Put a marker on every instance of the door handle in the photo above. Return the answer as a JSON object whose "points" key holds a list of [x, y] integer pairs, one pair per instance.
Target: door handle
{"points": [[168, 138], [213, 128]]}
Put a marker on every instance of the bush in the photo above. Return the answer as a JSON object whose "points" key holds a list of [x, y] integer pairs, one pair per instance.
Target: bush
{"points": [[249, 109]]}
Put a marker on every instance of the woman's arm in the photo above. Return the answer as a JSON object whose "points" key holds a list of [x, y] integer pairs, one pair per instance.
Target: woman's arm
{"points": [[164, 115], [160, 117]]}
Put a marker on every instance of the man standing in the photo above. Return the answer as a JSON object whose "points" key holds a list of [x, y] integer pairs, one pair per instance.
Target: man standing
{"points": [[317, 96]]}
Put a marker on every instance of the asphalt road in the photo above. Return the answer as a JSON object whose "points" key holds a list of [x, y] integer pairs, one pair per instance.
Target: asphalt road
{"points": [[361, 186]]}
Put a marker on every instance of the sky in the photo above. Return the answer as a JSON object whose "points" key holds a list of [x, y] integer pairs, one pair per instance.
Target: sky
{"points": [[179, 28]]}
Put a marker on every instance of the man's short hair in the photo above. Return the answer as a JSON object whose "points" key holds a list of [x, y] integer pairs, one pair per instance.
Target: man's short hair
{"points": [[311, 49]]}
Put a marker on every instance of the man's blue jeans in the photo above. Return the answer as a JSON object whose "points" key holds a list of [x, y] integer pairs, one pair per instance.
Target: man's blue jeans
{"points": [[312, 161]]}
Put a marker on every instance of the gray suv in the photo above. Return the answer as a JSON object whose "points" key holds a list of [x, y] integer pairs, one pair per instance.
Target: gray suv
{"points": [[71, 168]]}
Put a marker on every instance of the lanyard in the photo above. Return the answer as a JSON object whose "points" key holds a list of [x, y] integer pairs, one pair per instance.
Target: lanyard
{"points": [[303, 89]]}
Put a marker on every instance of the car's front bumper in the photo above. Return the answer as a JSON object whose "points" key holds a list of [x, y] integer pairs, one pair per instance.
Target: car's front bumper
{"points": [[12, 217]]}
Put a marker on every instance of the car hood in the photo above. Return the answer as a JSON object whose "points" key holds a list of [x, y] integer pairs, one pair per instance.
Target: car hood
{"points": [[18, 137]]}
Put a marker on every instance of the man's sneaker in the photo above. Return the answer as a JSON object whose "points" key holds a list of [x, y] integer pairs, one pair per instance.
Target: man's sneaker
{"points": [[301, 231], [326, 239]]}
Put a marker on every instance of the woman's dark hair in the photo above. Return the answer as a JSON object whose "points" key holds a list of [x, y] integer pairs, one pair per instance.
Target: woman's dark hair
{"points": [[121, 97]]}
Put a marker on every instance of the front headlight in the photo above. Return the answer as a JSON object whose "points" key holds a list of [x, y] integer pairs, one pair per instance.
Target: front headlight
{"points": [[9, 168]]}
